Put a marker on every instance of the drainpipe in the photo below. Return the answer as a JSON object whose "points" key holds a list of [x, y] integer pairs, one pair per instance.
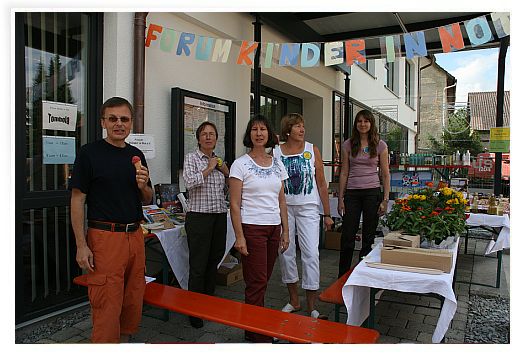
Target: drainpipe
{"points": [[444, 103], [419, 95], [139, 70], [256, 68]]}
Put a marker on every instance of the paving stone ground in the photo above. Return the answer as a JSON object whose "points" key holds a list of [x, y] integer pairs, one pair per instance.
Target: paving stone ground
{"points": [[399, 317]]}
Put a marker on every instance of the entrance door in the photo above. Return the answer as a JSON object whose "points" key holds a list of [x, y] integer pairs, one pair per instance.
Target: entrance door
{"points": [[57, 60]]}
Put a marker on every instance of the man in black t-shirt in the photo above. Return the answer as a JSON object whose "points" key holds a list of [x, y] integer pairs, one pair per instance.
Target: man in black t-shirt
{"points": [[112, 249]]}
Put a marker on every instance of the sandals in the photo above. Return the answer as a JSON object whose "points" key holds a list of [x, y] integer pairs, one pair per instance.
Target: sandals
{"points": [[289, 308]]}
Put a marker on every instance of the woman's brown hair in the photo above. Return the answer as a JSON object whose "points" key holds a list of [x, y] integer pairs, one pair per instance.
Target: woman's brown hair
{"points": [[287, 122], [372, 136]]}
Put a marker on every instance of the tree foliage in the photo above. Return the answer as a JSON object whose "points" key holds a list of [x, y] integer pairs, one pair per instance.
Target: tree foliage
{"points": [[457, 135]]}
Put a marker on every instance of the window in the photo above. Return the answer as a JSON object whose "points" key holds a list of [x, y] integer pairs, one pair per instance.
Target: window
{"points": [[408, 83], [389, 71], [368, 66], [275, 104]]}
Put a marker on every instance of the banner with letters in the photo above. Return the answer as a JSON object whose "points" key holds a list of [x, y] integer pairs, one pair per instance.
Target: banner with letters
{"points": [[304, 55]]}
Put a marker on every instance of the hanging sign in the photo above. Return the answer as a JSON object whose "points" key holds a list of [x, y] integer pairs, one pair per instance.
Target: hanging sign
{"points": [[145, 142], [59, 116], [58, 150], [500, 139], [206, 48]]}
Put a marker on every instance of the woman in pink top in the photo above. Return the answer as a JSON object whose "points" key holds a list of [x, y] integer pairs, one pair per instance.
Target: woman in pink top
{"points": [[359, 189]]}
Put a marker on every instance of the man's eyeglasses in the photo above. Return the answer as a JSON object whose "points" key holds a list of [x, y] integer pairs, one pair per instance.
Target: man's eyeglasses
{"points": [[114, 119]]}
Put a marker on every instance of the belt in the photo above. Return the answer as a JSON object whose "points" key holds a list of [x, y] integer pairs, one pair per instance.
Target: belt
{"points": [[115, 227]]}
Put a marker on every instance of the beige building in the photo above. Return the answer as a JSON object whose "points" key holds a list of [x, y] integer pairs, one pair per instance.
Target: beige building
{"points": [[438, 94]]}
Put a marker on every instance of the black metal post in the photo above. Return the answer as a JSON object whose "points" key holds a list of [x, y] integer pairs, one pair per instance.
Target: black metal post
{"points": [[347, 112], [500, 96], [256, 66]]}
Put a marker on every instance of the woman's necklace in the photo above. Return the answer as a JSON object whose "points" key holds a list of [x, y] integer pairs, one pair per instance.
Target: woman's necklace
{"points": [[365, 149]]}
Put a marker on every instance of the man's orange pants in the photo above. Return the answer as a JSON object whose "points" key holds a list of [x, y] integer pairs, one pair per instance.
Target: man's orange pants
{"points": [[116, 287]]}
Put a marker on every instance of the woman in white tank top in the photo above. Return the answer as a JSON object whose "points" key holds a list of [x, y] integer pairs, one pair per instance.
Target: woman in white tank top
{"points": [[304, 189]]}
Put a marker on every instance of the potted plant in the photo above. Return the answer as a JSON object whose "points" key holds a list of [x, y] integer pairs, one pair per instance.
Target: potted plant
{"points": [[433, 214]]}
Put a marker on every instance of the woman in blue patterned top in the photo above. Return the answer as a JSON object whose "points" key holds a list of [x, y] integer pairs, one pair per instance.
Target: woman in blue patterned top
{"points": [[258, 212], [304, 189]]}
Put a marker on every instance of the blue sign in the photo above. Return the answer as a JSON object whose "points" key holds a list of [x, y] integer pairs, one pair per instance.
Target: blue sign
{"points": [[58, 150]]}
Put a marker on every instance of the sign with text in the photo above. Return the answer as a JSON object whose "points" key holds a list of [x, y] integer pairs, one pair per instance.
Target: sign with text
{"points": [[500, 139], [145, 142], [59, 116], [58, 150]]}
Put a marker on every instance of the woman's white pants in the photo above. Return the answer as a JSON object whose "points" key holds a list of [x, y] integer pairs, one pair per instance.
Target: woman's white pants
{"points": [[303, 220]]}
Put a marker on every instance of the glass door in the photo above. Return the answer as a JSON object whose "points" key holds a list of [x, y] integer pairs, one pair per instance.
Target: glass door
{"points": [[55, 57]]}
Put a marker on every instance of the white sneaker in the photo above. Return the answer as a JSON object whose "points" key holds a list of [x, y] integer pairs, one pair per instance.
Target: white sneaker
{"points": [[289, 308], [317, 315]]}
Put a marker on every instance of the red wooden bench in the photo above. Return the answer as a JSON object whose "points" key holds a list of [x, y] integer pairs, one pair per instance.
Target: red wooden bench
{"points": [[333, 294], [274, 323]]}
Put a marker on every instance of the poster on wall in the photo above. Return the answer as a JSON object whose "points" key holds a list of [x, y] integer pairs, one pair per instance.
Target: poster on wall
{"points": [[197, 111], [145, 142], [188, 111], [58, 150], [59, 116]]}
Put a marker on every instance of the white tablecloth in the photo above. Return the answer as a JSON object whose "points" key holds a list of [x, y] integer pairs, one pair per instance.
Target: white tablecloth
{"points": [[503, 222], [174, 244], [356, 290]]}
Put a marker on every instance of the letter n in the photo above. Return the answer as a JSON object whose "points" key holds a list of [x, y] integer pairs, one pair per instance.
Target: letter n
{"points": [[451, 37]]}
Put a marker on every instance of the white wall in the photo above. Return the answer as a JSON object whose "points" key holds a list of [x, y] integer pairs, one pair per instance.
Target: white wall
{"points": [[166, 70]]}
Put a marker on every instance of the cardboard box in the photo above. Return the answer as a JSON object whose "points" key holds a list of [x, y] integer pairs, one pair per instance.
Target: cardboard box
{"points": [[332, 240], [228, 276], [400, 238], [422, 258]]}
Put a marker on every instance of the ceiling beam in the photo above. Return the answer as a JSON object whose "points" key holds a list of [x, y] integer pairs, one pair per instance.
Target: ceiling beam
{"points": [[396, 29], [313, 16], [290, 26]]}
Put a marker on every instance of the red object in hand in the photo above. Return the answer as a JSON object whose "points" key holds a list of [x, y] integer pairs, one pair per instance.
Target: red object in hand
{"points": [[137, 162]]}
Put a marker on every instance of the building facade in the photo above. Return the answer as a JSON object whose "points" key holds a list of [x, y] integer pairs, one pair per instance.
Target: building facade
{"points": [[438, 95], [84, 58]]}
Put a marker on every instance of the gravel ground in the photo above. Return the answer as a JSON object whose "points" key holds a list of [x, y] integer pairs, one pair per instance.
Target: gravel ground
{"points": [[488, 320], [34, 333]]}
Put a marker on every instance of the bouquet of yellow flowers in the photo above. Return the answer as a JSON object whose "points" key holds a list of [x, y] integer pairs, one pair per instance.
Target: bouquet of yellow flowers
{"points": [[433, 214]]}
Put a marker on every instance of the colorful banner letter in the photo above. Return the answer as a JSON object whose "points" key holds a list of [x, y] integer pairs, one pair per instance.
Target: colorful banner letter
{"points": [[168, 41], [478, 31], [186, 39], [150, 33], [221, 50], [307, 60], [390, 46], [289, 54], [203, 52], [267, 54], [502, 24], [245, 51], [415, 44], [451, 38], [333, 53], [355, 50]]}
